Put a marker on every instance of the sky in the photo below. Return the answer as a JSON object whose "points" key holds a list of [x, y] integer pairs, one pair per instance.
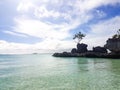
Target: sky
{"points": [[43, 26]]}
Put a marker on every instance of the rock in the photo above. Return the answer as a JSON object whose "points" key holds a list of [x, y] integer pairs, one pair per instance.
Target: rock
{"points": [[82, 48], [88, 54], [93, 54], [99, 49], [55, 54], [66, 54], [113, 55], [98, 52], [113, 45], [74, 50]]}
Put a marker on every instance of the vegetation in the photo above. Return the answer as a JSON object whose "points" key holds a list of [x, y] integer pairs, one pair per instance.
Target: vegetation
{"points": [[116, 36], [78, 37]]}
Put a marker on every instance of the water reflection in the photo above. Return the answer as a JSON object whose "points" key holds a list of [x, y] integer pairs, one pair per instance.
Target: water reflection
{"points": [[44, 72], [99, 73]]}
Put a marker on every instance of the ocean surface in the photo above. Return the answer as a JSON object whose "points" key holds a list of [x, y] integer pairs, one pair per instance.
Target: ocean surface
{"points": [[44, 72]]}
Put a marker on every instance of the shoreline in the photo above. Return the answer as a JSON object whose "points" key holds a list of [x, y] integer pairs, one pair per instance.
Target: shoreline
{"points": [[88, 55]]}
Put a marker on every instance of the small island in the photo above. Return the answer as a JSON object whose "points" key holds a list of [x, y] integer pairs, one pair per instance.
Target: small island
{"points": [[112, 45]]}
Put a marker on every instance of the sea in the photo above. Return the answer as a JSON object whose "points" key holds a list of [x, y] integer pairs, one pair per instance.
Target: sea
{"points": [[45, 72]]}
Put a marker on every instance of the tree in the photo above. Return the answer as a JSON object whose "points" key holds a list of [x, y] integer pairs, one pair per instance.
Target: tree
{"points": [[118, 32], [114, 36], [117, 35], [78, 36]]}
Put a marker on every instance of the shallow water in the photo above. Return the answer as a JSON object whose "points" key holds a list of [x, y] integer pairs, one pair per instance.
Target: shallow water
{"points": [[44, 72]]}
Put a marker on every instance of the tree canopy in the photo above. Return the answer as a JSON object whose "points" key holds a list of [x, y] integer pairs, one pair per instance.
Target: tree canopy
{"points": [[78, 36], [117, 35]]}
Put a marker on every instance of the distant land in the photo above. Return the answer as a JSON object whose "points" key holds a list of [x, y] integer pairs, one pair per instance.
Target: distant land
{"points": [[112, 45]]}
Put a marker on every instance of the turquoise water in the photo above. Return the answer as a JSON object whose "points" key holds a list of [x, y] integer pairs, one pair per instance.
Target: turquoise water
{"points": [[44, 72]]}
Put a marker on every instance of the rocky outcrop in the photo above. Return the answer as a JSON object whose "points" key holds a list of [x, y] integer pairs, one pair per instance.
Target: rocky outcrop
{"points": [[99, 49], [74, 50], [113, 45], [66, 54], [98, 52], [101, 55], [82, 48], [88, 54]]}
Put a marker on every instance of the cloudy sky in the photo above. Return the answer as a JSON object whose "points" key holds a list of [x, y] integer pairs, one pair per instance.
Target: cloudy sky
{"points": [[28, 26]]}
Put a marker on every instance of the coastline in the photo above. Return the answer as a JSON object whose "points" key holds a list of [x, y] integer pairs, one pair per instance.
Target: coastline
{"points": [[88, 55]]}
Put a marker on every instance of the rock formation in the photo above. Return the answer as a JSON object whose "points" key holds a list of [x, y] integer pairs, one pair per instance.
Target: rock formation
{"points": [[82, 48], [98, 52], [113, 45], [99, 49], [74, 50]]}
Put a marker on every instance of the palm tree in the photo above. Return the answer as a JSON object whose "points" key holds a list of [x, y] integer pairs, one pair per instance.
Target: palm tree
{"points": [[79, 36]]}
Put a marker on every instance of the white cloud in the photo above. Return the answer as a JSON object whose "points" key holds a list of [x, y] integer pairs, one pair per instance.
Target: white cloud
{"points": [[24, 7], [40, 29], [52, 21], [7, 45], [14, 33], [100, 14], [101, 31], [13, 48], [41, 12], [47, 46], [98, 35], [87, 5], [66, 19]]}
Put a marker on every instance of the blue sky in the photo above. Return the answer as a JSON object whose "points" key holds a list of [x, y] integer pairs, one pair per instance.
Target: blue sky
{"points": [[49, 25]]}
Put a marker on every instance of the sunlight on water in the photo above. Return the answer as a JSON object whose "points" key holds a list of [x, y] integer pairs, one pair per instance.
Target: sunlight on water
{"points": [[44, 72]]}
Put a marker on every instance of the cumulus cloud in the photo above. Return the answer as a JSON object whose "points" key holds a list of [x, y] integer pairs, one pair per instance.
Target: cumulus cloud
{"points": [[14, 33], [69, 14], [47, 46], [52, 21], [42, 30], [98, 35], [101, 31], [13, 48], [24, 7]]}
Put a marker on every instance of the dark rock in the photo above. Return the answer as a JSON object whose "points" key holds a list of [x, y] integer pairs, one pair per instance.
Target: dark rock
{"points": [[113, 45], [90, 51], [99, 49], [113, 55], [98, 52], [93, 54], [65, 54], [88, 54], [74, 50], [82, 48], [55, 54]]}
